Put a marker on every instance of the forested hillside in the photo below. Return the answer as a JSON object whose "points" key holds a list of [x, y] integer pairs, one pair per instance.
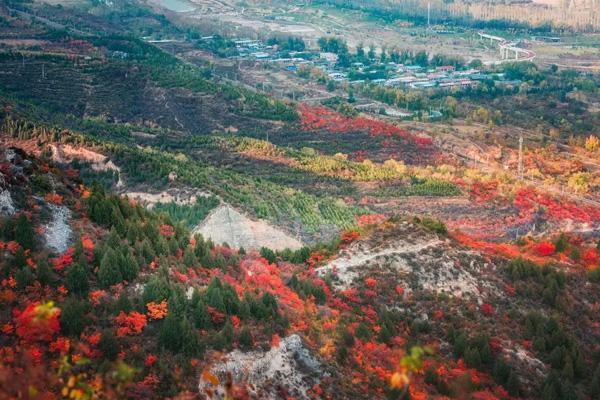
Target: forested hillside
{"points": [[347, 251]]}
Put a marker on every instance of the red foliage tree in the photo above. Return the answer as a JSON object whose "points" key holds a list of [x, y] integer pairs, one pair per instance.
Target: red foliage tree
{"points": [[130, 324], [38, 322], [545, 249]]}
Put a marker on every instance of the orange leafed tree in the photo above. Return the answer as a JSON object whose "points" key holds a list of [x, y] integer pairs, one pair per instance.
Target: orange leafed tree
{"points": [[130, 324], [157, 310]]}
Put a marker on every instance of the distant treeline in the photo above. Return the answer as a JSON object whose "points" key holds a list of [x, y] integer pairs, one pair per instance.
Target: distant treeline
{"points": [[413, 12]]}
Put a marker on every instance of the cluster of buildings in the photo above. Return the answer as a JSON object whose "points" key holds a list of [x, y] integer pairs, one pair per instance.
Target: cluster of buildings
{"points": [[388, 74], [416, 77]]}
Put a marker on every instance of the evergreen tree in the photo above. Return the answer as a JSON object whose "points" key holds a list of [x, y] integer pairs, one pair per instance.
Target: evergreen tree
{"points": [[512, 384], [385, 335], [201, 316], [123, 303], [472, 358], [72, 317], [595, 383], [567, 371], [245, 339], [501, 371], [214, 296], [77, 279], [109, 272], [157, 289], [128, 265], [190, 345], [177, 302], [44, 273], [169, 336], [24, 277], [24, 234], [108, 345], [551, 388], [460, 344], [189, 258], [268, 254], [147, 251], [228, 334], [269, 303]]}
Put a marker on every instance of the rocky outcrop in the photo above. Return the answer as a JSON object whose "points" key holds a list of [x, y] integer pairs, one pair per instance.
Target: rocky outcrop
{"points": [[418, 259], [6, 204], [57, 232], [288, 369], [179, 196], [227, 225]]}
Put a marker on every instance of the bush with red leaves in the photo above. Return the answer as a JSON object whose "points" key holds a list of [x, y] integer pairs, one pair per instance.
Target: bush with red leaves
{"points": [[545, 249], [487, 309], [130, 324], [316, 118], [37, 322]]}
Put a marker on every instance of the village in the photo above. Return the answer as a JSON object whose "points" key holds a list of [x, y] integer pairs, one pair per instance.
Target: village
{"points": [[379, 70]]}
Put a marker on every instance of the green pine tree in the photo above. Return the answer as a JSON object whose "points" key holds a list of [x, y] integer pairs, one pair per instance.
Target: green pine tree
{"points": [[512, 384], [109, 272], [24, 234], [77, 279], [108, 345], [245, 339]]}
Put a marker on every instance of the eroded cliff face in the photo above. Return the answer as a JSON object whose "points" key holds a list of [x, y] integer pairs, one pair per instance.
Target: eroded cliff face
{"points": [[227, 225]]}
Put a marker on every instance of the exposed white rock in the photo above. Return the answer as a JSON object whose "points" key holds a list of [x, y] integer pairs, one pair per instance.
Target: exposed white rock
{"points": [[11, 154], [420, 260], [288, 367], [525, 362], [226, 225], [7, 206], [180, 196], [352, 260], [58, 232]]}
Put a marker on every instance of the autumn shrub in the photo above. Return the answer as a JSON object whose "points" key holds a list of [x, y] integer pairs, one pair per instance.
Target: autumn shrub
{"points": [[545, 249]]}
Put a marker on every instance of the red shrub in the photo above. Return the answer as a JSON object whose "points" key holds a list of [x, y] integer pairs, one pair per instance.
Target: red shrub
{"points": [[545, 249], [130, 324], [487, 309], [64, 261], [167, 230], [37, 322], [323, 118]]}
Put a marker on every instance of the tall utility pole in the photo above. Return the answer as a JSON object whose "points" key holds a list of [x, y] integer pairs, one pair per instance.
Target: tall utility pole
{"points": [[520, 171], [428, 14]]}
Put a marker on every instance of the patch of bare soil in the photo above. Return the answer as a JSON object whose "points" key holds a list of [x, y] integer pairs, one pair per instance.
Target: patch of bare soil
{"points": [[227, 225], [178, 195], [65, 153]]}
